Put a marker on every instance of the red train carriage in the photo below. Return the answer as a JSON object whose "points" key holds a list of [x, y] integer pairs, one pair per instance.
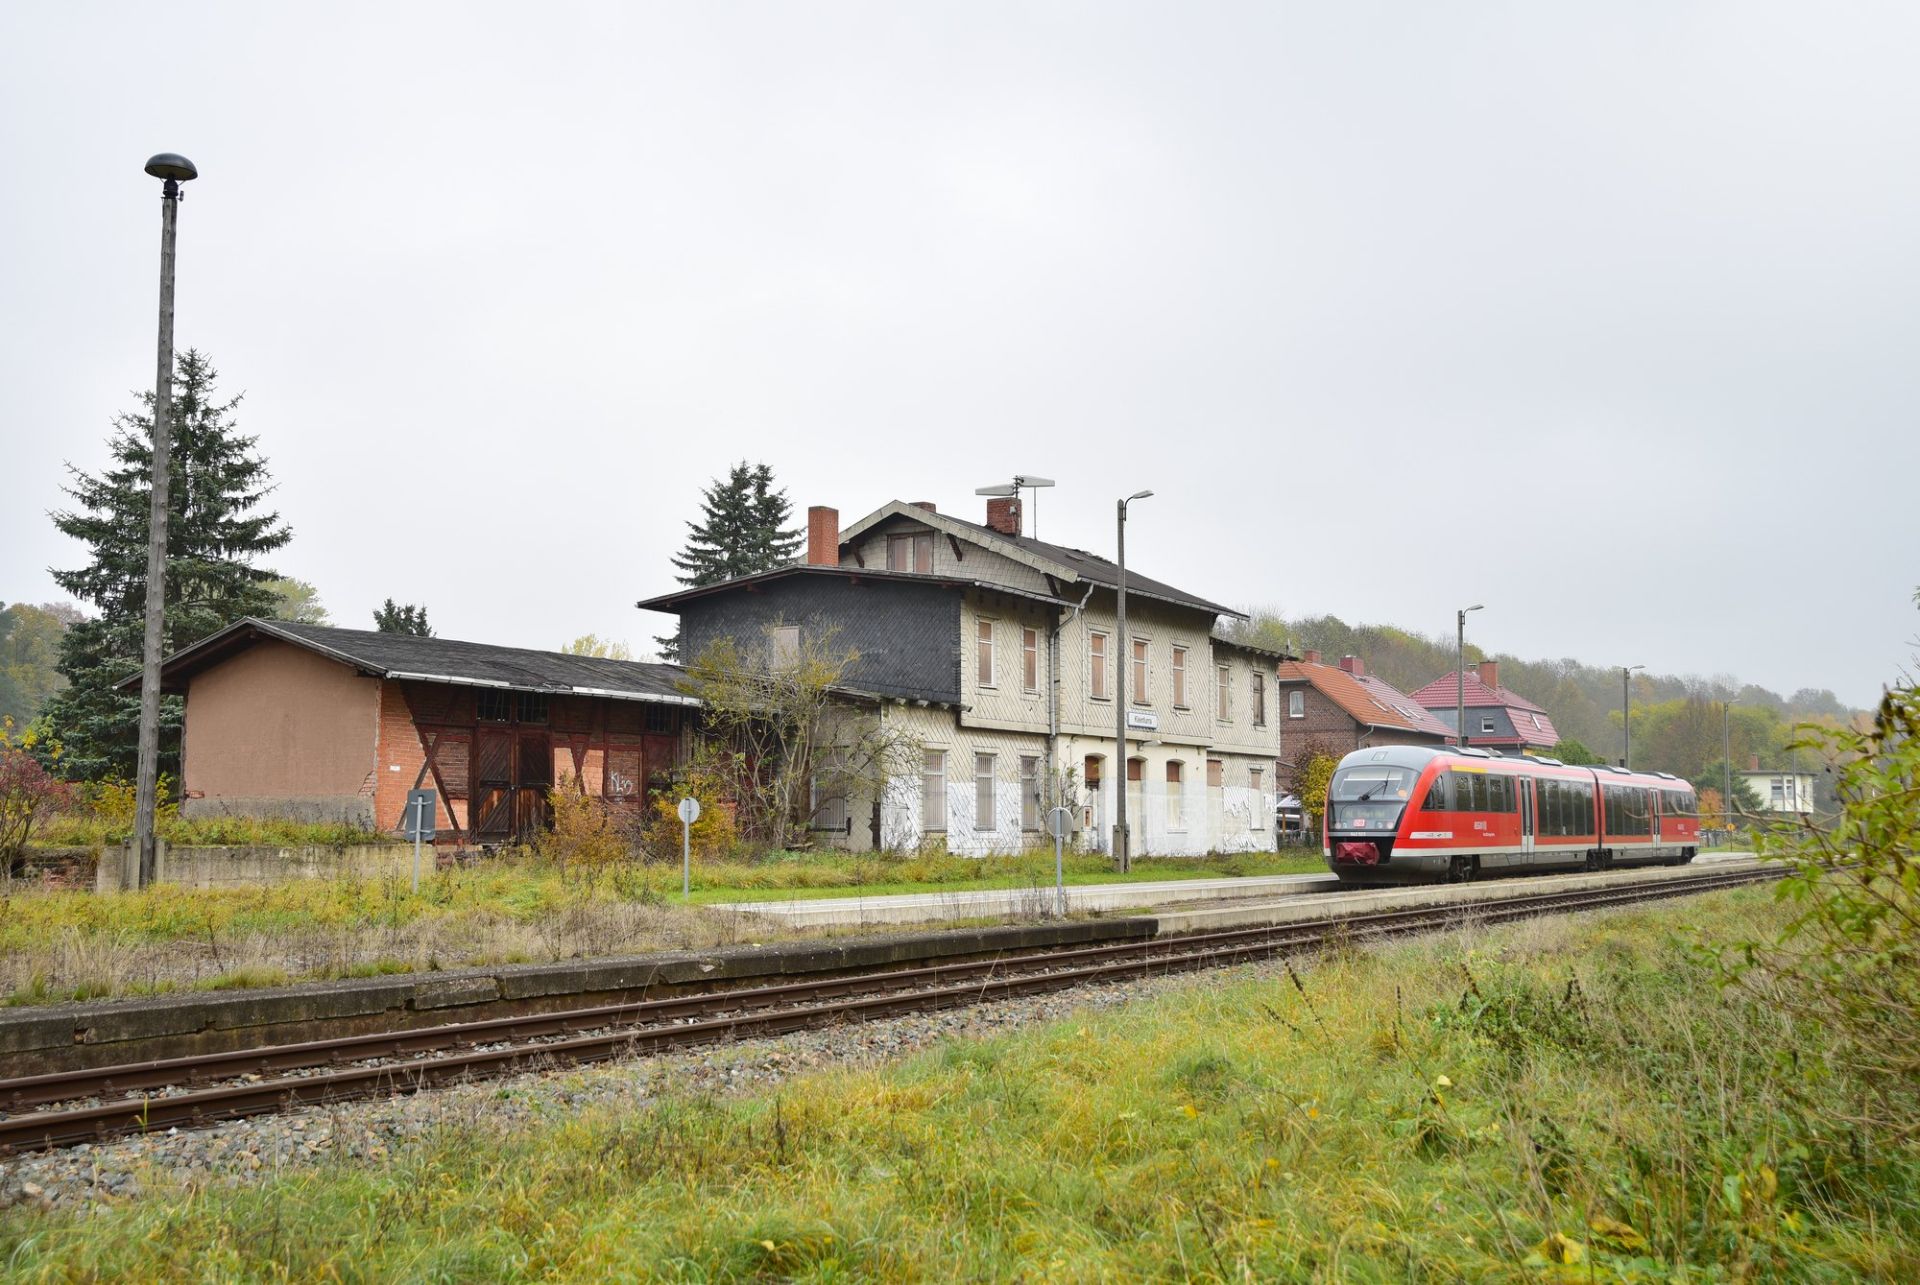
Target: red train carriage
{"points": [[1404, 812]]}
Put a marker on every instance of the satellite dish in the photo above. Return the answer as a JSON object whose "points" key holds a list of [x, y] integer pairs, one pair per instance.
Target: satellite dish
{"points": [[1004, 489]]}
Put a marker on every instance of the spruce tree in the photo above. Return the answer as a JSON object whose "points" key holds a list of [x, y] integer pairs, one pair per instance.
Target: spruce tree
{"points": [[397, 618], [216, 526], [743, 531]]}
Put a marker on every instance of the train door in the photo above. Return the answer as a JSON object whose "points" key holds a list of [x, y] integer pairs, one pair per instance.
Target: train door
{"points": [[1526, 820], [1656, 804]]}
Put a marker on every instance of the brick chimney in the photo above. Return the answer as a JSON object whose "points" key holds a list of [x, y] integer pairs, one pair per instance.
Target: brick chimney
{"points": [[1311, 657], [823, 536], [1354, 665], [1753, 763], [1003, 514], [1490, 673], [925, 504]]}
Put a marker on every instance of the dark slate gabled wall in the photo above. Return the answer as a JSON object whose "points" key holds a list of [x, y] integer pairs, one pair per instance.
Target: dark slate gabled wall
{"points": [[908, 635]]}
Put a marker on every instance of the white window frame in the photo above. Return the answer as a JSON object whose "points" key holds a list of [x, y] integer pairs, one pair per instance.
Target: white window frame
{"points": [[983, 636], [1029, 659], [1486, 724], [986, 781], [1180, 678], [933, 786], [1140, 671], [1030, 792], [1223, 693], [1296, 704]]}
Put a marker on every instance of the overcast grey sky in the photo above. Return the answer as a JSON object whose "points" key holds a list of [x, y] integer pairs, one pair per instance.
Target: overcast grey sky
{"points": [[1603, 315]]}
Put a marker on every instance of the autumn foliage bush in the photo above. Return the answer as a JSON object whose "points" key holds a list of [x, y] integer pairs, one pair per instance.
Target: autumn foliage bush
{"points": [[28, 793]]}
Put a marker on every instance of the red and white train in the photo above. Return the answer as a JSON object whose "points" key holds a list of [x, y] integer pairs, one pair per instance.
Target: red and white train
{"points": [[1407, 812]]}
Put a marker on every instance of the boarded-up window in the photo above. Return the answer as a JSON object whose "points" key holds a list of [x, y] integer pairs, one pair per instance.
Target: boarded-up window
{"points": [[450, 761], [985, 815], [1097, 663], [1257, 697], [1140, 695], [983, 652], [623, 773], [1222, 692], [1215, 773], [1257, 813], [1180, 677], [1136, 769], [783, 646], [1030, 659], [1176, 805]]}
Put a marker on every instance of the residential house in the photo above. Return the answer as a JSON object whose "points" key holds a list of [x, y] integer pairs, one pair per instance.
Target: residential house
{"points": [[1498, 718], [316, 723], [996, 657], [1783, 792], [1345, 708]]}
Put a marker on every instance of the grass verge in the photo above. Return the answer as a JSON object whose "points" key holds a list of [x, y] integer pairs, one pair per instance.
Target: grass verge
{"points": [[1563, 1100], [68, 945]]}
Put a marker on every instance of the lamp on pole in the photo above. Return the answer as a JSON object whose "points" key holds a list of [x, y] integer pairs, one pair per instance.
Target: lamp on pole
{"points": [[1626, 712], [1123, 649], [1460, 672], [1726, 784], [172, 170]]}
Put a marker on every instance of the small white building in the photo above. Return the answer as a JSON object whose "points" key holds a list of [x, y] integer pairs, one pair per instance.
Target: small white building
{"points": [[1782, 792]]}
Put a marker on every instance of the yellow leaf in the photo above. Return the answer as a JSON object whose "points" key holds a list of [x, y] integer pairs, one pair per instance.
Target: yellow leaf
{"points": [[1561, 1248], [1272, 1163], [1616, 1234], [1313, 1113], [1190, 1111], [769, 1246], [1443, 1083]]}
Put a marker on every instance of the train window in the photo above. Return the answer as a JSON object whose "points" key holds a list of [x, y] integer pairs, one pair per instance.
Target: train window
{"points": [[1440, 793], [1469, 792]]}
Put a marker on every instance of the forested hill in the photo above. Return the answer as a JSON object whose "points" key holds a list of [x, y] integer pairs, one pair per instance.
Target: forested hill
{"points": [[1584, 700]]}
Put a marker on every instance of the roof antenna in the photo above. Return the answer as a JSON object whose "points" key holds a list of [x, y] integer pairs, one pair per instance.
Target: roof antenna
{"points": [[1021, 482]]}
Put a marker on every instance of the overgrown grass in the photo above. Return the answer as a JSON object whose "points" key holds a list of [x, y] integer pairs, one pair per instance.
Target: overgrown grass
{"points": [[70, 944], [833, 874], [84, 829], [1564, 1100]]}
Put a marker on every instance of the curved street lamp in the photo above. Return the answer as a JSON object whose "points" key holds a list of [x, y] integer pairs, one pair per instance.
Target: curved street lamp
{"points": [[1123, 655]]}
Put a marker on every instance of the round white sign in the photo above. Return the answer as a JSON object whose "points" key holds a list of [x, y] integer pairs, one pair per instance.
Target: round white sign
{"points": [[689, 810]]}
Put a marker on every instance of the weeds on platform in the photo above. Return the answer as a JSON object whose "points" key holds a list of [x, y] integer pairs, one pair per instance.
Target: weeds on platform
{"points": [[1563, 1100]]}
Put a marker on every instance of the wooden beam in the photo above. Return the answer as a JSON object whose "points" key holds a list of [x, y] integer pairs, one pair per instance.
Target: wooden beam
{"points": [[954, 544]]}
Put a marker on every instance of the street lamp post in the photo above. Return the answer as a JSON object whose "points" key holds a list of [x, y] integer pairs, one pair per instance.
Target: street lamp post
{"points": [[1626, 712], [1726, 784], [1460, 672], [172, 170], [1123, 656]]}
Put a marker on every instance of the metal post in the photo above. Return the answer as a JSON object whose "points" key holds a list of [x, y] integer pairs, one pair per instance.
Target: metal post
{"points": [[1626, 713], [419, 824], [1460, 680], [686, 860], [1726, 733], [1460, 672], [1122, 658], [171, 169]]}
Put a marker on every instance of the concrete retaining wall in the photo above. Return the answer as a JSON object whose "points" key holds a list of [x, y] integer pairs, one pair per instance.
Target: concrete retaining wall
{"points": [[62, 1037], [244, 867]]}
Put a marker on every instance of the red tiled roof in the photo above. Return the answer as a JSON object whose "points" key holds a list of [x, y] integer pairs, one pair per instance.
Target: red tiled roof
{"points": [[1441, 694], [1367, 700]]}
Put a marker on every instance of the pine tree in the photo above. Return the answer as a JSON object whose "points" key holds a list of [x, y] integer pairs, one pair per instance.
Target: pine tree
{"points": [[216, 526], [394, 618], [743, 531]]}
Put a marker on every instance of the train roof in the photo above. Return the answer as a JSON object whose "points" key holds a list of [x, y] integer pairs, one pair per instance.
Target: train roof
{"points": [[1419, 756]]}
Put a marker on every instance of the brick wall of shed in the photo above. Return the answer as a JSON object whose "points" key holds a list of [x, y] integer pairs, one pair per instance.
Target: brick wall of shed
{"points": [[398, 763]]}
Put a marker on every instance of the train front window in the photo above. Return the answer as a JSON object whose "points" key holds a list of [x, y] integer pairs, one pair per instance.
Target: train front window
{"points": [[1370, 797]]}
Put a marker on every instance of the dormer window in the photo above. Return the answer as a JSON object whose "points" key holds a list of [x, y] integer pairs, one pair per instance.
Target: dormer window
{"points": [[911, 552]]}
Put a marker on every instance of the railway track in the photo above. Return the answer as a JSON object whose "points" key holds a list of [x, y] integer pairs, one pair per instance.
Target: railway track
{"points": [[45, 1112]]}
